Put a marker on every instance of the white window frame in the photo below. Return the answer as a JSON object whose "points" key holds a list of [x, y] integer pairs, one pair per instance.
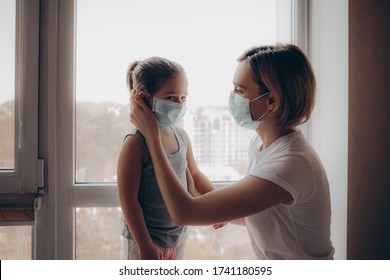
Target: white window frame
{"points": [[55, 225], [23, 180], [21, 186], [327, 44]]}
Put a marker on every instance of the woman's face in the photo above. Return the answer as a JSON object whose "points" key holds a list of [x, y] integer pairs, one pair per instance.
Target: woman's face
{"points": [[243, 81], [245, 86]]}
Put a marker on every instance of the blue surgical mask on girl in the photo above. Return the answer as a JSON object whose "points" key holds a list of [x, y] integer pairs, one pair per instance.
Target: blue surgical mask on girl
{"points": [[240, 110], [168, 113]]}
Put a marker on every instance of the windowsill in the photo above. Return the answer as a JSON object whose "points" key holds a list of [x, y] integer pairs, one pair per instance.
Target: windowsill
{"points": [[17, 207], [16, 216]]}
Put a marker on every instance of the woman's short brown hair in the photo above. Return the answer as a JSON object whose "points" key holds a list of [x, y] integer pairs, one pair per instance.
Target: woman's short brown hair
{"points": [[287, 69]]}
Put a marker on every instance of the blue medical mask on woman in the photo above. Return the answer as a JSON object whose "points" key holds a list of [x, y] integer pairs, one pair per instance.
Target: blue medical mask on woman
{"points": [[240, 110], [168, 113]]}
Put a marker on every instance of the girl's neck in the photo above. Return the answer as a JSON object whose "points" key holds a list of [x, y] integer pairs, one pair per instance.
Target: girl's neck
{"points": [[169, 140], [165, 131]]}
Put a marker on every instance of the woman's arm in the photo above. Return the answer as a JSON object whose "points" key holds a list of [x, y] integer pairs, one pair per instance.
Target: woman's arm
{"points": [[129, 176], [243, 198]]}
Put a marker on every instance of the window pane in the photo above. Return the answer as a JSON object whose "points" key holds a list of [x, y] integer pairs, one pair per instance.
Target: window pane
{"points": [[228, 243], [204, 36], [7, 84], [98, 236], [15, 242]]}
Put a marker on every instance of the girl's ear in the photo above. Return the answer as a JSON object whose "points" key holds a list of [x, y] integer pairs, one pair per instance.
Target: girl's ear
{"points": [[146, 98], [132, 93]]}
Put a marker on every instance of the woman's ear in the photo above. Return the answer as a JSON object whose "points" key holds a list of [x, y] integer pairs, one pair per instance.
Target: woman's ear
{"points": [[271, 103]]}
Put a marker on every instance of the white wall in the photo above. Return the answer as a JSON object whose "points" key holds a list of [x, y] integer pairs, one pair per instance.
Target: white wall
{"points": [[328, 130]]}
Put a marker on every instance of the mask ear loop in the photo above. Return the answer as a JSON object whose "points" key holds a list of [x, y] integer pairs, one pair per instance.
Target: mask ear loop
{"points": [[263, 115], [269, 109], [259, 96]]}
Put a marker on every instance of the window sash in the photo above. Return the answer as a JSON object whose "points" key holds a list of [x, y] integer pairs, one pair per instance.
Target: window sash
{"points": [[61, 64], [23, 178]]}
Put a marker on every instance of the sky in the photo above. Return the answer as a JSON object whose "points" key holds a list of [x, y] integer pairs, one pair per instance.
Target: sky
{"points": [[204, 36], [7, 50]]}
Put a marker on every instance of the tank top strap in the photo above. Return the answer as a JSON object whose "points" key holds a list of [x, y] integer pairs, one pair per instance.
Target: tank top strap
{"points": [[141, 139], [179, 136]]}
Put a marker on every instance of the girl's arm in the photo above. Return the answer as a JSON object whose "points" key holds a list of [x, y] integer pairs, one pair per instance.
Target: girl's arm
{"points": [[243, 198], [200, 181], [197, 182], [129, 176]]}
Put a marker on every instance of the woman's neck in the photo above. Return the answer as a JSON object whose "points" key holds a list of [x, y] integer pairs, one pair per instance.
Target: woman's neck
{"points": [[269, 133]]}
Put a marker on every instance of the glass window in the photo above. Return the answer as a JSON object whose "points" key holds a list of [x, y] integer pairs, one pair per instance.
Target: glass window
{"points": [[98, 236], [7, 84], [207, 243], [19, 35], [16, 242], [204, 36], [98, 233]]}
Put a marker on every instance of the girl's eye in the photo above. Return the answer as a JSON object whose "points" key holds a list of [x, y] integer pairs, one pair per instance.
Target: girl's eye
{"points": [[184, 98]]}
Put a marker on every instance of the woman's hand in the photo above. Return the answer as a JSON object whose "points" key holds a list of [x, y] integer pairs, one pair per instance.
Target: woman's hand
{"points": [[142, 117], [221, 225]]}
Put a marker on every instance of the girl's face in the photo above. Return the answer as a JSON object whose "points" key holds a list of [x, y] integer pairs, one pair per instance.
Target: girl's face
{"points": [[175, 89], [245, 86]]}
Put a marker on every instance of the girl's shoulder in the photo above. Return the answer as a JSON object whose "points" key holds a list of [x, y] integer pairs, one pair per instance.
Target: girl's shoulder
{"points": [[134, 145]]}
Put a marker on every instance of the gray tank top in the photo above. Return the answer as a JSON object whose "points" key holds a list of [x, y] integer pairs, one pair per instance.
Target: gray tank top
{"points": [[158, 221]]}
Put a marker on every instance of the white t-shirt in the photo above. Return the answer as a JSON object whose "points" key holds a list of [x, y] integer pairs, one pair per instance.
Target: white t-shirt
{"points": [[299, 229]]}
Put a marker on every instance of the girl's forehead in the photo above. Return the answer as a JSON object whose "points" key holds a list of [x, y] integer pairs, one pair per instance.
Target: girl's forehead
{"points": [[177, 80], [175, 84]]}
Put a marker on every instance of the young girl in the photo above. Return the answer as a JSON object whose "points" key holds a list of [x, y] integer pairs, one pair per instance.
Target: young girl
{"points": [[285, 196], [149, 228]]}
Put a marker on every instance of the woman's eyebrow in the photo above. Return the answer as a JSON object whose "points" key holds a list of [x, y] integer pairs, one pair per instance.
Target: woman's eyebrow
{"points": [[238, 85]]}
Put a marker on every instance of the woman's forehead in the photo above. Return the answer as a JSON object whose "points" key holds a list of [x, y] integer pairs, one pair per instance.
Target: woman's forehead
{"points": [[243, 75]]}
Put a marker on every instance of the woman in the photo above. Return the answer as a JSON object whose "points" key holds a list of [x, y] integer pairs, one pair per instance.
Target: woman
{"points": [[285, 196]]}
